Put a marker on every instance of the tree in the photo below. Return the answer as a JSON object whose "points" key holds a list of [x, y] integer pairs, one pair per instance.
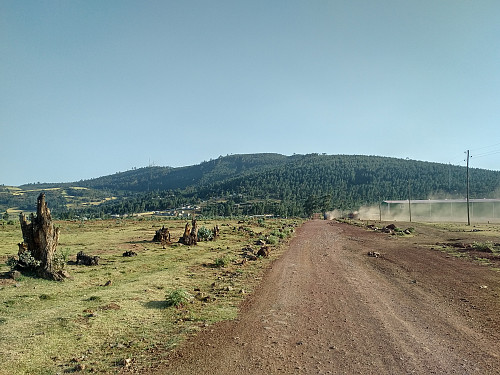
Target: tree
{"points": [[310, 205]]}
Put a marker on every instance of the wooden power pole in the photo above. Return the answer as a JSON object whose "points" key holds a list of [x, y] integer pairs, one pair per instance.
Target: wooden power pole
{"points": [[468, 211], [409, 199]]}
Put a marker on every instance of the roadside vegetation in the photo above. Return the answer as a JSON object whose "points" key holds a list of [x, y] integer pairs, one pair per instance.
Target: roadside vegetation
{"points": [[126, 311], [479, 242]]}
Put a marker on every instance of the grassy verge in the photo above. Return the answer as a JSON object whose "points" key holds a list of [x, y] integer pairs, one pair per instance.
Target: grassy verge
{"points": [[120, 313]]}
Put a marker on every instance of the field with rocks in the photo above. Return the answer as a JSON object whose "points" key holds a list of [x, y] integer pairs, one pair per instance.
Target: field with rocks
{"points": [[127, 312]]}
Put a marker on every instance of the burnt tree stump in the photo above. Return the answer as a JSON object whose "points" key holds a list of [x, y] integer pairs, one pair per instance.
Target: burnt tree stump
{"points": [[190, 234], [40, 239], [163, 236]]}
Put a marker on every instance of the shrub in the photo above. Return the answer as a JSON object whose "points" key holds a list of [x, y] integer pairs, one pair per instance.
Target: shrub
{"points": [[272, 240], [12, 262], [222, 261], [178, 297], [486, 247], [61, 258], [205, 234], [25, 260]]}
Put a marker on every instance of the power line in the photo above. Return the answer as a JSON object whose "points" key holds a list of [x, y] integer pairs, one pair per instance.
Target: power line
{"points": [[482, 148], [494, 152]]}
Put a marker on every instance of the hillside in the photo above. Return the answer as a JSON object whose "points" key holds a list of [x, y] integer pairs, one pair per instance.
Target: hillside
{"points": [[260, 183]]}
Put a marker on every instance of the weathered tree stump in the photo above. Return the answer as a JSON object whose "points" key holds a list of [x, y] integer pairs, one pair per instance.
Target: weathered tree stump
{"points": [[190, 234], [87, 260], [40, 240], [215, 233], [163, 236]]}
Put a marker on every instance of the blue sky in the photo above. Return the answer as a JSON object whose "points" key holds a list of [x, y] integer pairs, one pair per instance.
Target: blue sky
{"points": [[89, 88]]}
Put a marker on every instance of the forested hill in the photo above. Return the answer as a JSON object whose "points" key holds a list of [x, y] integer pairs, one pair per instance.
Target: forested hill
{"points": [[168, 178], [287, 185]]}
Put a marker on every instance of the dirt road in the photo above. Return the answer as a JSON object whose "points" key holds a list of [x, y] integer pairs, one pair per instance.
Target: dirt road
{"points": [[326, 307]]}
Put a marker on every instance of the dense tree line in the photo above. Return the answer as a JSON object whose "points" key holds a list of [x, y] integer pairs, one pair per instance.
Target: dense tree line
{"points": [[258, 184]]}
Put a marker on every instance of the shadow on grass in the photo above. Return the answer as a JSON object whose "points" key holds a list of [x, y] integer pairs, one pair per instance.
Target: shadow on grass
{"points": [[157, 304]]}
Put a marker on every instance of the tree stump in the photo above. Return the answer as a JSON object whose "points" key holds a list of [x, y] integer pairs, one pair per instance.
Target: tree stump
{"points": [[190, 235], [40, 240], [87, 260], [162, 235], [215, 233]]}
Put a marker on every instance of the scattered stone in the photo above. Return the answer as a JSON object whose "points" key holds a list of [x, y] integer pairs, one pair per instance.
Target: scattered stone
{"points": [[14, 274], [203, 297], [129, 253], [80, 367], [263, 251], [125, 362], [483, 287]]}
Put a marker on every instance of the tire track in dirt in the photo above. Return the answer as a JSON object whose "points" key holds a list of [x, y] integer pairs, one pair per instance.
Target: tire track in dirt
{"points": [[326, 308]]}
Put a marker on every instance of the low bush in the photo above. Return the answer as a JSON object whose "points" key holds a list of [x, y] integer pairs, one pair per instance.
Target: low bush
{"points": [[272, 240], [222, 261], [178, 298], [486, 247]]}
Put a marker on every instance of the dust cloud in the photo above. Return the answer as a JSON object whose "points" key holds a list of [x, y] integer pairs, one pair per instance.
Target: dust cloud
{"points": [[452, 210]]}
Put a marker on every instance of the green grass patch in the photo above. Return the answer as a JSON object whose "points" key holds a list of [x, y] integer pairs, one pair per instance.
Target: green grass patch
{"points": [[120, 308], [486, 247]]}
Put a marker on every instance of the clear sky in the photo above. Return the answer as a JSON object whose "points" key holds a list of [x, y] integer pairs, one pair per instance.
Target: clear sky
{"points": [[89, 88]]}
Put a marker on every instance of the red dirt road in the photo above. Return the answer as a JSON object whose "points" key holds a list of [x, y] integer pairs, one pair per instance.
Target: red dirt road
{"points": [[326, 307]]}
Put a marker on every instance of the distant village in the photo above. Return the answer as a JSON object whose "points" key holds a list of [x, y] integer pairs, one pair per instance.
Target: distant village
{"points": [[182, 212]]}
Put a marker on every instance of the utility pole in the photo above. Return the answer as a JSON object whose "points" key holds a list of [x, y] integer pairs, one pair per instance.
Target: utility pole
{"points": [[468, 212], [409, 194], [409, 199]]}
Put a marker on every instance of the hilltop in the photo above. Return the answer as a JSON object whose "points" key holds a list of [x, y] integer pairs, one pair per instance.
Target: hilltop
{"points": [[257, 184]]}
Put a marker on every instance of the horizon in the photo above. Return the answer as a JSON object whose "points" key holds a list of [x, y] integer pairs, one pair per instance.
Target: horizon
{"points": [[91, 88]]}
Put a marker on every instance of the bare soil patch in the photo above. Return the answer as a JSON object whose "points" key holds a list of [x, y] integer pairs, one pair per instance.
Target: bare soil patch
{"points": [[326, 307]]}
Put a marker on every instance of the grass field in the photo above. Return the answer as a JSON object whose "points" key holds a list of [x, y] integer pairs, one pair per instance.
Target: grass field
{"points": [[107, 314]]}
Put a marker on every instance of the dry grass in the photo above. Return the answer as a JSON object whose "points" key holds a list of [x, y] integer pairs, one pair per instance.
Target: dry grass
{"points": [[52, 327]]}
